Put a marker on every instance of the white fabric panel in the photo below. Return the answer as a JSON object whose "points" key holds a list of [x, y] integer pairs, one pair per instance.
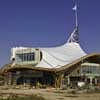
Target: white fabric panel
{"points": [[60, 56]]}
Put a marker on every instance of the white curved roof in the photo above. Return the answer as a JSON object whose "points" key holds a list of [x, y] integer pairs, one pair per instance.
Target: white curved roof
{"points": [[59, 56], [55, 57]]}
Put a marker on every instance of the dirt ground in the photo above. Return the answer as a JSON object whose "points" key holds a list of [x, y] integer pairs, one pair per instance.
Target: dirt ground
{"points": [[53, 94]]}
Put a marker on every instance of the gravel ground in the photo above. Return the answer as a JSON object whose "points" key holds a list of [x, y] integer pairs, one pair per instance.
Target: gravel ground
{"points": [[52, 94]]}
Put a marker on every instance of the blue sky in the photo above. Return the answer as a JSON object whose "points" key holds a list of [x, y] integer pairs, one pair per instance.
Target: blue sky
{"points": [[43, 23]]}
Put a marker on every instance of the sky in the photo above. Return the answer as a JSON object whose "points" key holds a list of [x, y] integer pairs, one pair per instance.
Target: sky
{"points": [[47, 23]]}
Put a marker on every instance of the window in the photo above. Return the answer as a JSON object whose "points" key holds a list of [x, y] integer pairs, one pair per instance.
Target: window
{"points": [[25, 57], [91, 70]]}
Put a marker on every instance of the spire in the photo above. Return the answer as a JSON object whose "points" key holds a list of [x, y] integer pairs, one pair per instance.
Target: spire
{"points": [[75, 34], [75, 8]]}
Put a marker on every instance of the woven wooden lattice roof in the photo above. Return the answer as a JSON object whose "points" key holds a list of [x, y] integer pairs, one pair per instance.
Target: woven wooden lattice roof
{"points": [[95, 56]]}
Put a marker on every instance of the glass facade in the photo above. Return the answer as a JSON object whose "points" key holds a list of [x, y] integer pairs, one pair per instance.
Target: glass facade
{"points": [[25, 57], [90, 70]]}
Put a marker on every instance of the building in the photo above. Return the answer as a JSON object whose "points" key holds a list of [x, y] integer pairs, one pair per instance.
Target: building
{"points": [[55, 66], [67, 64]]}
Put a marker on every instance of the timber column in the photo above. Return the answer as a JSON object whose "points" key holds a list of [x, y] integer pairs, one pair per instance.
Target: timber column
{"points": [[9, 78], [59, 80], [5, 78]]}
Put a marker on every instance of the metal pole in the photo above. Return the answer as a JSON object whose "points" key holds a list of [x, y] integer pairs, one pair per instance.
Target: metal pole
{"points": [[76, 12], [76, 15]]}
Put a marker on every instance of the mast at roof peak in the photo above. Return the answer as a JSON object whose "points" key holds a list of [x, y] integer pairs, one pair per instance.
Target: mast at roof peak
{"points": [[75, 8]]}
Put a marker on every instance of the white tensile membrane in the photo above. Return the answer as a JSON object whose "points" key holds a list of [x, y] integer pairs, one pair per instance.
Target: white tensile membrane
{"points": [[56, 57], [60, 56]]}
